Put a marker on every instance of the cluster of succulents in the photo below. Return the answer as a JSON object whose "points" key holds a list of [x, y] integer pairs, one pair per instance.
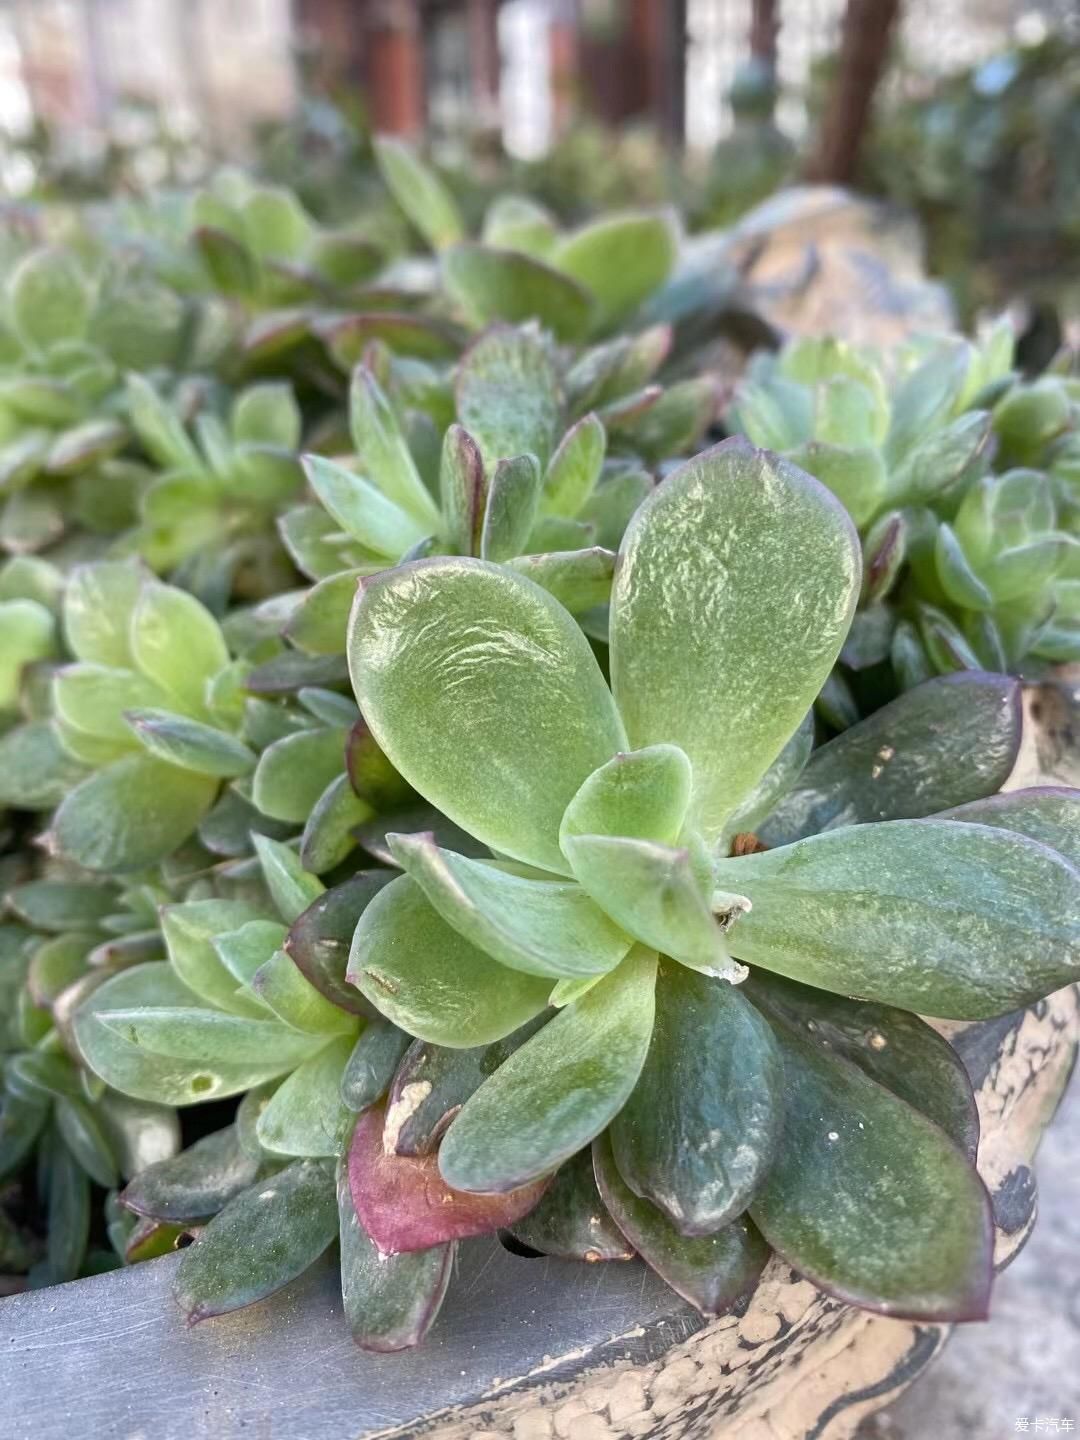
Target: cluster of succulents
{"points": [[960, 475], [424, 759]]}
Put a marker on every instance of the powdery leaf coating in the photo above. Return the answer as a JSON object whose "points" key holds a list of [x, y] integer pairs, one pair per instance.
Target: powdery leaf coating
{"points": [[1047, 813], [713, 647], [404, 1204], [485, 695]]}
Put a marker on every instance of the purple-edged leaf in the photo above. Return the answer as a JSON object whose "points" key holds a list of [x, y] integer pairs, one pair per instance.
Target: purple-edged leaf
{"points": [[940, 917], [197, 1183], [551, 1097], [701, 1128], [1047, 813], [263, 1238], [433, 1082], [371, 774], [404, 1204], [464, 490], [893, 1047], [348, 336], [574, 468], [869, 1199], [390, 1301], [485, 695], [571, 1221], [512, 501], [430, 981], [717, 654], [319, 939], [711, 1271], [948, 741]]}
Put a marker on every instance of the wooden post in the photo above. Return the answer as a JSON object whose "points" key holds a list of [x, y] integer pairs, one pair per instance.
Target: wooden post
{"points": [[564, 58], [864, 49], [395, 67], [482, 20], [764, 29]]}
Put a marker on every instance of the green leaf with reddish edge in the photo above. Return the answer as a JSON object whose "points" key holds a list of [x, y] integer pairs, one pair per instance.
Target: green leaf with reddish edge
{"points": [[421, 974], [578, 579], [280, 984], [291, 888], [893, 1047], [201, 1035], [195, 1184], [571, 1221], [190, 744], [383, 453], [320, 936], [328, 839], [370, 1068], [640, 794], [773, 785], [621, 259], [190, 930], [574, 468], [405, 1205], [416, 819], [390, 1301], [491, 285], [485, 695], [371, 774], [541, 927], [950, 740], [936, 916], [712, 1272], [702, 1126], [137, 1072], [293, 772], [871, 1201], [432, 1083], [513, 496], [131, 814], [717, 653], [305, 1115], [551, 1097], [464, 491], [244, 950], [362, 510], [1049, 814], [264, 1237], [655, 893], [507, 394], [419, 191]]}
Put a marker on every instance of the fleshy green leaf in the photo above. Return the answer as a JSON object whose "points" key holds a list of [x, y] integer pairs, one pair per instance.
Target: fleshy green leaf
{"points": [[390, 1301], [700, 1130], [91, 699], [48, 299], [195, 1184], [641, 794], [83, 1135], [950, 740], [371, 1066], [578, 579], [362, 510], [512, 500], [204, 1036], [621, 259], [189, 743], [711, 1271], [551, 1097], [426, 978], [870, 1200], [293, 772], [463, 487], [775, 783], [61, 904], [492, 285], [574, 468], [190, 931], [263, 1238], [935, 916], [711, 647], [243, 950], [419, 191], [383, 452], [328, 835], [507, 395], [305, 1115], [319, 938], [35, 770], [571, 1221], [1047, 813], [177, 643], [541, 927], [485, 695], [279, 983]]}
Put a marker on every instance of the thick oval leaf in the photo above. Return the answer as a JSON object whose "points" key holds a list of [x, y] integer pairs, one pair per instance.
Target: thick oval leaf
{"points": [[384, 453], [262, 1239], [404, 1204], [653, 892], [243, 950], [371, 1066], [774, 784], [433, 1082], [869, 1199], [58, 905], [305, 1115], [579, 579], [190, 931], [426, 978], [1047, 813], [700, 1130], [82, 1133], [134, 1071], [485, 695], [190, 744], [936, 916], [492, 284], [574, 468], [194, 1185], [640, 794], [390, 1301], [551, 1097], [177, 643], [293, 772], [571, 1221], [328, 839], [512, 500], [711, 1271], [291, 888], [204, 1036], [280, 984], [319, 938], [507, 394], [463, 488], [36, 772], [131, 814], [542, 927], [714, 646], [893, 1047], [621, 259], [362, 510], [950, 740], [419, 191], [92, 699]]}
